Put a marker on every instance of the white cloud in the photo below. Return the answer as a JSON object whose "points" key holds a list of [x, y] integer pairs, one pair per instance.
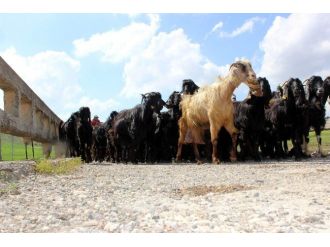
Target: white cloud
{"points": [[296, 46], [153, 60], [217, 27], [100, 107], [168, 59], [53, 76], [118, 45], [247, 26]]}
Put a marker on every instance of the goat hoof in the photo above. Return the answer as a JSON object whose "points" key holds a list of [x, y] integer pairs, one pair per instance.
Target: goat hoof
{"points": [[216, 161], [297, 158], [233, 159], [199, 162], [318, 155], [258, 159]]}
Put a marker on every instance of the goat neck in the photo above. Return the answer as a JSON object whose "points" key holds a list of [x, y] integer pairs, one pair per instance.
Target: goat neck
{"points": [[175, 112], [146, 112], [228, 86]]}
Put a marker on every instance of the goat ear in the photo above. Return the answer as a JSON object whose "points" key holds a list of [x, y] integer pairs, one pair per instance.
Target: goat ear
{"points": [[308, 89]]}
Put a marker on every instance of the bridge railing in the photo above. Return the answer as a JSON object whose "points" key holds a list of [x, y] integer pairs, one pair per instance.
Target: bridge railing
{"points": [[25, 114]]}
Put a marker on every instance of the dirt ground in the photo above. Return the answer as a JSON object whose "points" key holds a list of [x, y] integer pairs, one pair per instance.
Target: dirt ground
{"points": [[285, 196]]}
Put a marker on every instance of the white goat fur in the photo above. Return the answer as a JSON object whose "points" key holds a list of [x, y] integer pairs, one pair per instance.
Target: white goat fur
{"points": [[212, 107]]}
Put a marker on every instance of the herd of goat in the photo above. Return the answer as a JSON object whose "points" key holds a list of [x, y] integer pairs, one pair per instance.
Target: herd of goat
{"points": [[206, 123]]}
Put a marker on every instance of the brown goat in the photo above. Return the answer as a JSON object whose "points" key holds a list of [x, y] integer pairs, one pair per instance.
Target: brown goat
{"points": [[212, 107]]}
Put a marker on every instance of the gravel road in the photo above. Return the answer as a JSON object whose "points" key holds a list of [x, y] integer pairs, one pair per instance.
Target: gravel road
{"points": [[237, 197]]}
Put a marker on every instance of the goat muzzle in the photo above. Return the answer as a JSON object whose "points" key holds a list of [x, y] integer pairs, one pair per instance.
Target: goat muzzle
{"points": [[253, 85]]}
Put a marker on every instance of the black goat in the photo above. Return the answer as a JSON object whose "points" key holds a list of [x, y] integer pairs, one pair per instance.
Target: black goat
{"points": [[131, 126], [286, 117], [189, 86], [326, 86], [68, 133], [165, 133], [85, 134], [170, 127], [315, 94], [99, 146], [111, 147], [249, 119]]}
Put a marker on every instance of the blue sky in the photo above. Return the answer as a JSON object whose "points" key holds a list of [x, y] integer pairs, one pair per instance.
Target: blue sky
{"points": [[106, 60]]}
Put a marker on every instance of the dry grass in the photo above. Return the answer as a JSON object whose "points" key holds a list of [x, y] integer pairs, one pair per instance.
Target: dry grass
{"points": [[8, 183], [9, 189], [62, 166]]}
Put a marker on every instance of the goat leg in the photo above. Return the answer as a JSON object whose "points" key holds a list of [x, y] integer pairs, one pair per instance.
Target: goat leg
{"points": [[319, 146], [182, 136], [285, 146], [215, 154], [305, 145], [196, 153], [233, 152], [214, 130], [179, 153]]}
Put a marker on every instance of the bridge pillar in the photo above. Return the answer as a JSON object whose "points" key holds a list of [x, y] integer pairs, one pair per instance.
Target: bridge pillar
{"points": [[60, 149], [0, 150], [45, 126], [38, 120], [52, 131], [46, 149], [26, 114], [34, 118], [12, 102]]}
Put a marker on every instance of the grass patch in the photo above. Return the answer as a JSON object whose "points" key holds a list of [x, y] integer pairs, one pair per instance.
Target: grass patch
{"points": [[62, 166], [312, 146], [325, 135], [11, 189], [19, 149]]}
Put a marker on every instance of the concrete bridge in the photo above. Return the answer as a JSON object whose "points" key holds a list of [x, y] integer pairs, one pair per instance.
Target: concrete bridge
{"points": [[25, 114]]}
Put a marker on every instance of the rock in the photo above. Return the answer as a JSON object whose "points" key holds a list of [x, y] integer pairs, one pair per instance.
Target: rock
{"points": [[313, 220], [90, 223], [155, 217], [111, 226]]}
